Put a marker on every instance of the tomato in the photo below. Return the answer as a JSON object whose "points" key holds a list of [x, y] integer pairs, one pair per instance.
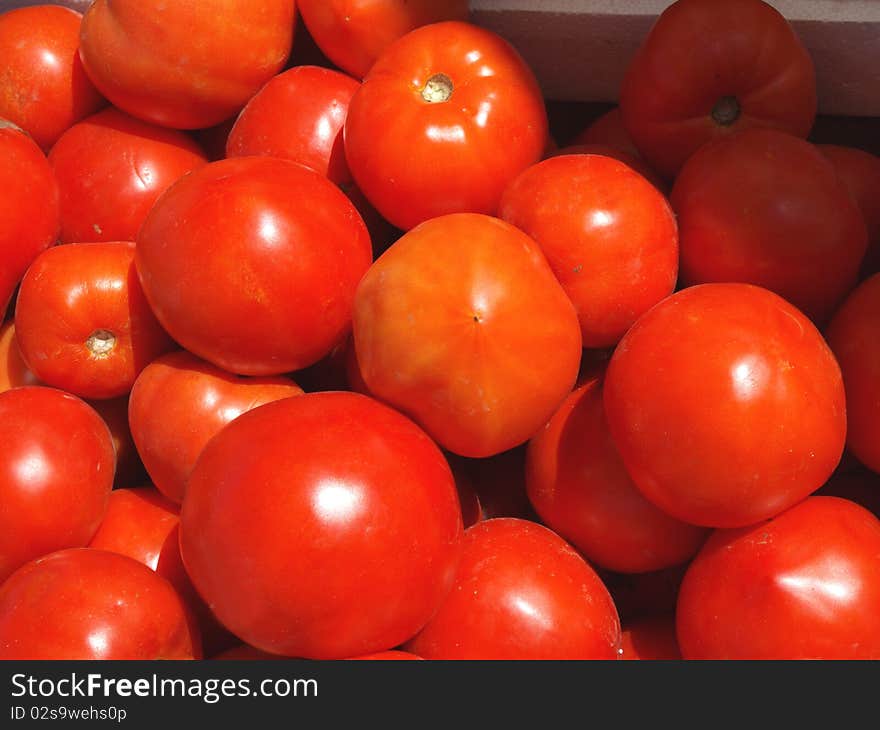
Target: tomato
{"points": [[129, 469], [726, 405], [608, 131], [178, 65], [650, 639], [179, 402], [521, 592], [580, 488], [392, 655], [82, 322], [637, 164], [92, 604], [766, 208], [111, 168], [803, 585], [447, 117], [13, 371], [854, 336], [860, 172], [43, 87], [712, 67], [354, 33], [252, 264], [608, 234], [453, 325], [322, 526], [29, 217], [56, 471]]}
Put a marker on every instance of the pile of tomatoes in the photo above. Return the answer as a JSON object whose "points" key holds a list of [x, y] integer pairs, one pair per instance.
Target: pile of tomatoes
{"points": [[324, 349]]}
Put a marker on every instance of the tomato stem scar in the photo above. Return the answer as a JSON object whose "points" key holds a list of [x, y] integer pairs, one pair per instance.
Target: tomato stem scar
{"points": [[437, 89], [726, 111], [101, 343]]}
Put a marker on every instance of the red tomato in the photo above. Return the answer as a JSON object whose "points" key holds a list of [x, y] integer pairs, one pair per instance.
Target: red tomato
{"points": [[766, 208], [580, 488], [179, 402], [13, 371], [521, 592], [330, 508], [711, 67], [354, 33], [447, 117], [608, 131], [182, 65], [650, 639], [854, 336], [803, 585], [43, 87], [92, 604], [82, 322], [634, 163], [454, 324], [29, 218], [129, 469], [726, 405], [252, 264], [111, 169], [608, 234], [56, 471], [393, 655]]}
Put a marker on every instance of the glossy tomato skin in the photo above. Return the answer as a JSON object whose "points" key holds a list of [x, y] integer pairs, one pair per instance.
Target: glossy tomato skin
{"points": [[712, 67], [354, 34], [44, 88], [454, 324], [92, 604], [176, 65], [854, 336], [56, 472], [13, 371], [609, 235], [766, 208], [580, 488], [651, 639], [521, 592], [252, 264], [447, 117], [322, 526], [111, 168], [726, 405], [82, 322], [635, 163], [29, 215], [179, 402], [803, 585]]}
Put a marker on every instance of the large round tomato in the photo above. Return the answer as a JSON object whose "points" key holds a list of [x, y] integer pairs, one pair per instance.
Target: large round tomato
{"points": [[252, 264], [766, 208], [56, 472], [111, 169], [608, 234], [323, 526], [43, 87], [182, 64], [447, 117], [804, 585], [462, 325], [521, 592], [711, 67], [726, 405]]}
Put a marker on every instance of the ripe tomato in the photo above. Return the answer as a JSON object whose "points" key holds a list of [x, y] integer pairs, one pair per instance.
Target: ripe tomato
{"points": [[13, 371], [726, 405], [252, 264], [43, 87], [462, 325], [854, 336], [92, 604], [711, 67], [111, 169], [29, 218], [578, 485], [634, 163], [609, 236], [354, 33], [608, 131], [179, 402], [766, 208], [447, 117], [56, 471], [182, 65], [521, 592], [330, 508], [650, 639], [82, 322], [803, 585]]}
